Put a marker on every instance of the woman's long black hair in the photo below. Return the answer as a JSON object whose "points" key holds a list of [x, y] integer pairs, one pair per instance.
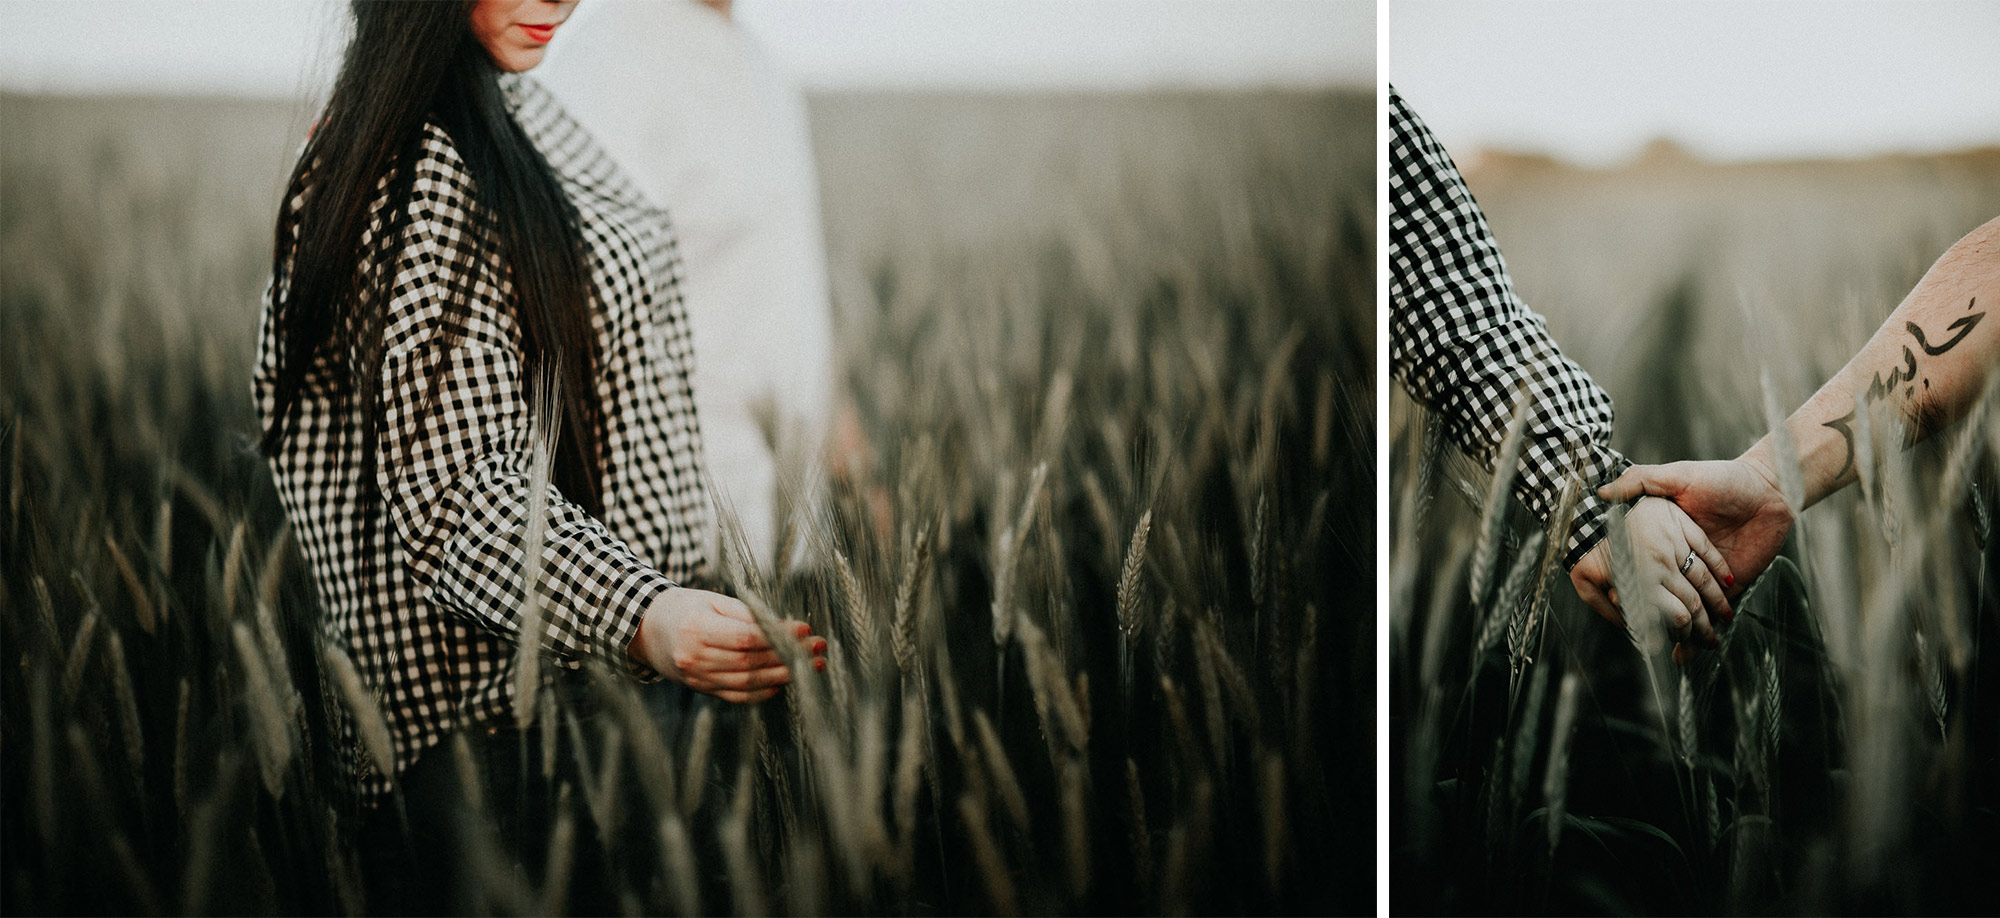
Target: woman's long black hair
{"points": [[408, 64]]}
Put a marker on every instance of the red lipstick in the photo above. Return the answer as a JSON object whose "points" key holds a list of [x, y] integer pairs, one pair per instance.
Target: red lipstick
{"points": [[540, 34]]}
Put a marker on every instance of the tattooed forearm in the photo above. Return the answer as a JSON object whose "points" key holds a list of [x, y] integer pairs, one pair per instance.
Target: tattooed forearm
{"points": [[1879, 388], [1964, 327], [1845, 425], [1905, 376]]}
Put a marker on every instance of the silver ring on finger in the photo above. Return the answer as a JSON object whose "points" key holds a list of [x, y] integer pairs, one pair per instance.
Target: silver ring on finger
{"points": [[1687, 562]]}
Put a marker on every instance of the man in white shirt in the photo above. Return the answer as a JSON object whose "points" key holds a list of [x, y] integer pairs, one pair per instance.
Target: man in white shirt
{"points": [[709, 129]]}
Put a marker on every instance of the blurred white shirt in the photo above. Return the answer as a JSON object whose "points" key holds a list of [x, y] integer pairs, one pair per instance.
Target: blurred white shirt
{"points": [[709, 128]]}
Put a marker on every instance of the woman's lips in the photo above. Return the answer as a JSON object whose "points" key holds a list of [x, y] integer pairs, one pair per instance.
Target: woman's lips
{"points": [[540, 33]]}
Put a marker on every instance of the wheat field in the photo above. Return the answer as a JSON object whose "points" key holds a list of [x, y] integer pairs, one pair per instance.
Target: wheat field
{"points": [[1839, 754], [1107, 648]]}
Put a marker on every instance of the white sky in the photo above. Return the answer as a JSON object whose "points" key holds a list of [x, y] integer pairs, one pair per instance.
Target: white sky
{"points": [[1593, 82], [286, 47]]}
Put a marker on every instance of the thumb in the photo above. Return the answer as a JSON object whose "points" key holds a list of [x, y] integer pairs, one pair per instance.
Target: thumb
{"points": [[1639, 480]]}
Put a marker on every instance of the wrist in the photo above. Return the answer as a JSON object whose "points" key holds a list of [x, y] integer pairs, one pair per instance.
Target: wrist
{"points": [[1761, 459], [637, 648], [651, 644]]}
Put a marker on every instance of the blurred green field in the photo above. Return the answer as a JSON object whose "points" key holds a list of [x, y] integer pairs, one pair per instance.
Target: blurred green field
{"points": [[1162, 302], [1841, 756]]}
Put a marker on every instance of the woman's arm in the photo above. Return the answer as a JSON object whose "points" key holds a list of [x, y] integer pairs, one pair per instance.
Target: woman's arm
{"points": [[1463, 344], [454, 477]]}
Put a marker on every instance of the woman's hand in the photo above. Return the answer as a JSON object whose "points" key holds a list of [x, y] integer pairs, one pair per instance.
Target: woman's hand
{"points": [[1662, 537], [1736, 502], [710, 643]]}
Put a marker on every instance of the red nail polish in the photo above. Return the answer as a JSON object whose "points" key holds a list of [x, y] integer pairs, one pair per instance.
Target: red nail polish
{"points": [[820, 664], [819, 646], [805, 630], [1728, 580]]}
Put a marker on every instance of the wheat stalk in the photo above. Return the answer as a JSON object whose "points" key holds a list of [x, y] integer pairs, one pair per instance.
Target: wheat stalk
{"points": [[992, 867], [677, 862], [734, 832], [561, 855], [903, 640], [1100, 510], [362, 709], [543, 429], [860, 620], [1054, 701], [271, 726], [142, 601], [1555, 779], [865, 818], [1002, 772], [805, 886], [1260, 555], [1142, 840], [1208, 674], [911, 763], [605, 791], [1235, 685], [1128, 577], [1076, 824], [127, 706], [181, 749], [45, 615], [79, 655], [1493, 516], [1305, 675], [1003, 587], [232, 565], [1273, 800]]}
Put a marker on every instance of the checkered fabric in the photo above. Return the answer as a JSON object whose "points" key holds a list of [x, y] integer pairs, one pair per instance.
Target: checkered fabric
{"points": [[432, 619], [1466, 347]]}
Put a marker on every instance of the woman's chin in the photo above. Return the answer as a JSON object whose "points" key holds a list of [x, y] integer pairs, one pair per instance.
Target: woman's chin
{"points": [[520, 60]]}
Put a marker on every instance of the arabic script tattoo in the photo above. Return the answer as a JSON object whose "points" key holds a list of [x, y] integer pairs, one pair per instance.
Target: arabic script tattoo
{"points": [[1903, 376]]}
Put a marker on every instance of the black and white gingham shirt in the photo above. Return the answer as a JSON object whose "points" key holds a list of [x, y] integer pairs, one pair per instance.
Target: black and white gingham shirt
{"points": [[1465, 345], [433, 628]]}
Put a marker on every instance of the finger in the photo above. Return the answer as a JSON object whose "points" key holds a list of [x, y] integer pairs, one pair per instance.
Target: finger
{"points": [[1680, 604], [716, 660], [1592, 580], [740, 681], [732, 608], [1713, 602], [1601, 602], [739, 697], [1711, 556], [1685, 653], [1690, 602], [1703, 634], [752, 680], [729, 634], [1657, 480]]}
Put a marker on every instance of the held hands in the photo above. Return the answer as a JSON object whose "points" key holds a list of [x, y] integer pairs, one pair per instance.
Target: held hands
{"points": [[1688, 599], [710, 643], [1737, 502]]}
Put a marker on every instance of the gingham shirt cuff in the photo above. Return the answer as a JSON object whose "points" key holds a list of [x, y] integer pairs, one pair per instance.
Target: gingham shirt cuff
{"points": [[626, 609], [1589, 525]]}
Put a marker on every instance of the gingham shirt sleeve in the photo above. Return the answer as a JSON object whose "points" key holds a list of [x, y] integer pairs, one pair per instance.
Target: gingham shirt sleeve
{"points": [[1463, 344], [454, 451]]}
